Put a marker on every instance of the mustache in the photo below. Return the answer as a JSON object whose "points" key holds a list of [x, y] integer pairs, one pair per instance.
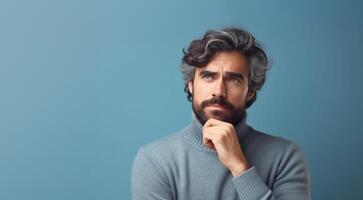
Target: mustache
{"points": [[217, 100]]}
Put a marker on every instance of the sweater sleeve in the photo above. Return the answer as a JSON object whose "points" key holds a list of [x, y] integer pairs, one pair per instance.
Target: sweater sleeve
{"points": [[147, 180], [292, 180]]}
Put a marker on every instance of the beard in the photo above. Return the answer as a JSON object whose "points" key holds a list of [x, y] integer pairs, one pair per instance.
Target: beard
{"points": [[231, 115]]}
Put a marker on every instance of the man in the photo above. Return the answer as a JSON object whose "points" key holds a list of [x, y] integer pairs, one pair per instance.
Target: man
{"points": [[219, 156]]}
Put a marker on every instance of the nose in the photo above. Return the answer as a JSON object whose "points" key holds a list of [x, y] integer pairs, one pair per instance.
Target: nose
{"points": [[220, 89]]}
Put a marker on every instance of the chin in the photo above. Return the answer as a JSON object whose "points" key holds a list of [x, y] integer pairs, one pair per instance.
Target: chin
{"points": [[219, 116]]}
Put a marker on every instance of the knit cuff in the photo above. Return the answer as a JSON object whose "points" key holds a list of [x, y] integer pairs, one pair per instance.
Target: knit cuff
{"points": [[249, 185]]}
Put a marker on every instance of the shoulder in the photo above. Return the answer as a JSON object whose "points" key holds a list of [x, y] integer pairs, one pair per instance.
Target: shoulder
{"points": [[269, 152], [164, 144], [262, 139], [270, 145], [152, 168], [163, 149]]}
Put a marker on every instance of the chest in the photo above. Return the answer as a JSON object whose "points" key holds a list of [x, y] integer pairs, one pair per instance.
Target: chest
{"points": [[200, 175]]}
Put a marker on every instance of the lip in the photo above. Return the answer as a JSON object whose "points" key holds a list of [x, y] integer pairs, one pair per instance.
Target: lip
{"points": [[217, 106]]}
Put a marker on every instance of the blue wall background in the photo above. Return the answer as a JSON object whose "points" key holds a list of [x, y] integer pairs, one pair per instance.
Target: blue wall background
{"points": [[83, 84]]}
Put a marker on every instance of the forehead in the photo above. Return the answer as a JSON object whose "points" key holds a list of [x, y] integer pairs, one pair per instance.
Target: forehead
{"points": [[228, 61]]}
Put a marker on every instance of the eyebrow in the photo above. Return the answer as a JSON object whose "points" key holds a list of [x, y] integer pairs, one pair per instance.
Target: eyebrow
{"points": [[227, 74], [235, 75], [206, 72]]}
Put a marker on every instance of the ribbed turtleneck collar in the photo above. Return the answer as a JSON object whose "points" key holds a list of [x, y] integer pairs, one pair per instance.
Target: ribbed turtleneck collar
{"points": [[194, 136]]}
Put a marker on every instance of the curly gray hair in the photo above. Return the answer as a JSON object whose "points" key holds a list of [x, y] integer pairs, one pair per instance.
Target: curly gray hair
{"points": [[201, 51]]}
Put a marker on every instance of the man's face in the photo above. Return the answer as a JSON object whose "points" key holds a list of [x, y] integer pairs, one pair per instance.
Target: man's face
{"points": [[220, 89]]}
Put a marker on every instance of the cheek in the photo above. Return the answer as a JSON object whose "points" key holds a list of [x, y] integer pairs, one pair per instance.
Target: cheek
{"points": [[201, 92], [237, 98]]}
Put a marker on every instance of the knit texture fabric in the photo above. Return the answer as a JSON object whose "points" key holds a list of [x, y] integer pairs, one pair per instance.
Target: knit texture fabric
{"points": [[180, 167]]}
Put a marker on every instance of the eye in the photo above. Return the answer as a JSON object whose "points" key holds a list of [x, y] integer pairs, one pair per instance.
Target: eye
{"points": [[234, 81], [207, 77]]}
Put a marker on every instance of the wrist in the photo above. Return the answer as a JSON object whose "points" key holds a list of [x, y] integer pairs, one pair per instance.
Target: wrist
{"points": [[239, 168]]}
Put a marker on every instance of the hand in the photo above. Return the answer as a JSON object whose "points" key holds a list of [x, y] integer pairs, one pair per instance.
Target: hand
{"points": [[221, 137]]}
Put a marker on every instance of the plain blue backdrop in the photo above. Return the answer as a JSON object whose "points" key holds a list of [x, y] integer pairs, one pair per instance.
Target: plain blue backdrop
{"points": [[83, 84]]}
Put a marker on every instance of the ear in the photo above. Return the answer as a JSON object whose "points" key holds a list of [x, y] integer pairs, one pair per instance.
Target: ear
{"points": [[250, 95], [190, 86]]}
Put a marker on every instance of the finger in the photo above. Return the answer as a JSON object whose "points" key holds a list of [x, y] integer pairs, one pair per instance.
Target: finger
{"points": [[210, 145], [212, 133], [208, 142], [215, 122], [205, 140], [209, 135]]}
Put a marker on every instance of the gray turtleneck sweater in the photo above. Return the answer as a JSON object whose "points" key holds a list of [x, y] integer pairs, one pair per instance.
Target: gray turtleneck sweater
{"points": [[179, 166]]}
